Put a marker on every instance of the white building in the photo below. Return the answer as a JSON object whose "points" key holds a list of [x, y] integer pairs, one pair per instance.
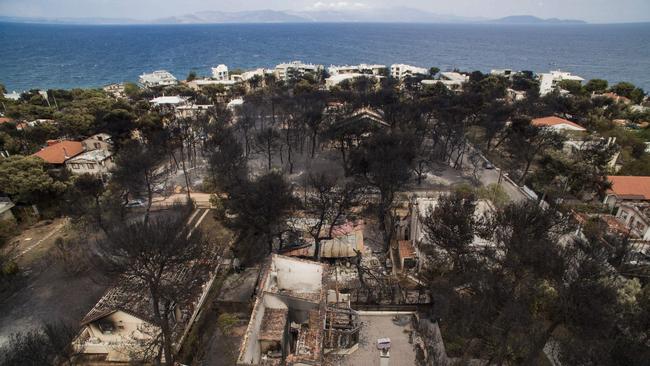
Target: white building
{"points": [[192, 110], [549, 81], [452, 80], [235, 103], [291, 323], [357, 69], [220, 72], [557, 123], [99, 141], [173, 101], [296, 69], [247, 75], [200, 83], [158, 78], [410, 233], [116, 90], [95, 162], [337, 79], [401, 71], [13, 95], [636, 216], [507, 73]]}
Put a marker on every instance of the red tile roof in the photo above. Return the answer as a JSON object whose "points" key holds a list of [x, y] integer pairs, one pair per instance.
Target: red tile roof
{"points": [[406, 249], [5, 119], [630, 187], [60, 152], [552, 121]]}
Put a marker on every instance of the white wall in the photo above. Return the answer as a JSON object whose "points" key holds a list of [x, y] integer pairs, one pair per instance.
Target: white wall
{"points": [[298, 275]]}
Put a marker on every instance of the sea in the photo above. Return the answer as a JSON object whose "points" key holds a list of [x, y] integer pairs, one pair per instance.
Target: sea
{"points": [[72, 56]]}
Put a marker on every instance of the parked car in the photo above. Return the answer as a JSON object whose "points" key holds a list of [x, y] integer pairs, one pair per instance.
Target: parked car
{"points": [[488, 165], [135, 203]]}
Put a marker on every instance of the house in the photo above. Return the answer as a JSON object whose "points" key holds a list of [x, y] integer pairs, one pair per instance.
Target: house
{"points": [[58, 152], [557, 123], [116, 90], [295, 70], [95, 162], [364, 69], [192, 110], [6, 120], [337, 79], [169, 101], [452, 80], [291, 323], [100, 141], [402, 71], [5, 210], [550, 81], [235, 103], [515, 95], [346, 240], [573, 147], [506, 73], [407, 248], [158, 78], [220, 72], [627, 189], [198, 84], [12, 96], [636, 217], [247, 75], [121, 328], [615, 97]]}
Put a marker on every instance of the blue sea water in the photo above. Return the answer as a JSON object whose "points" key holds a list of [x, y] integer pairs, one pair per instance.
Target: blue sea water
{"points": [[67, 56]]}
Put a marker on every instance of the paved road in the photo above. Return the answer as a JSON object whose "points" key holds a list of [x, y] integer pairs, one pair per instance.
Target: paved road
{"points": [[491, 176]]}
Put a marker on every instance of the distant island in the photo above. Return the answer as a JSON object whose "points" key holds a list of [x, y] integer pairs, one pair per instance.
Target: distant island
{"points": [[529, 19], [370, 15]]}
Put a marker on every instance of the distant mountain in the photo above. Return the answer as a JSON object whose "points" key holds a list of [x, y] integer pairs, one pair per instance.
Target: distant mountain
{"points": [[529, 19], [64, 20], [383, 15], [379, 15], [255, 16]]}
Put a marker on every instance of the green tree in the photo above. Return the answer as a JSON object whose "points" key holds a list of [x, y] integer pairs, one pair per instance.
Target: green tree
{"points": [[573, 86], [131, 90], [596, 86], [25, 180], [450, 228]]}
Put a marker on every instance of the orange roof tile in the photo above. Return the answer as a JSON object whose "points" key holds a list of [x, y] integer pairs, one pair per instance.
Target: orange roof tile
{"points": [[630, 187], [406, 249], [552, 121], [60, 152], [5, 119]]}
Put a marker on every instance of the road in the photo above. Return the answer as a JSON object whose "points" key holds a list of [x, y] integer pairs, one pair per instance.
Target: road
{"points": [[491, 176]]}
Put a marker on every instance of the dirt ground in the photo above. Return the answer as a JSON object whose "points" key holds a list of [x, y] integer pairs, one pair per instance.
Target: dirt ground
{"points": [[46, 291]]}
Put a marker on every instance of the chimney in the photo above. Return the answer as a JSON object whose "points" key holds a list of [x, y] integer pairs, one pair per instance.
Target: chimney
{"points": [[52, 142]]}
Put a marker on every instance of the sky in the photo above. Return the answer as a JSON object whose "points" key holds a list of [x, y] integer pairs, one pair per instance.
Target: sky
{"points": [[597, 11]]}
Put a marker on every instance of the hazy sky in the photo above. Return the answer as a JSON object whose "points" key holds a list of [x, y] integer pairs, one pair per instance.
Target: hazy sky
{"points": [[590, 10]]}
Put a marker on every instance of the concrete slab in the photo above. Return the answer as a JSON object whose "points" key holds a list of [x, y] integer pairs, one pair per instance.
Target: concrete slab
{"points": [[375, 326]]}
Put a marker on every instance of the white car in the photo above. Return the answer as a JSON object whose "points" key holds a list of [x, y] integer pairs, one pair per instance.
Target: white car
{"points": [[135, 203]]}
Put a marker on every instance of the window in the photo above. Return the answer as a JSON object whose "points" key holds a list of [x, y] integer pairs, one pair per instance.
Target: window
{"points": [[97, 145], [90, 166], [75, 166]]}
